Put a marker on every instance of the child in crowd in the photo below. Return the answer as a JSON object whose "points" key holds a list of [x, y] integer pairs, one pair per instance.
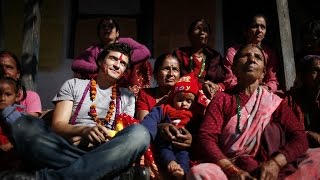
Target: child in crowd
{"points": [[28, 101], [178, 110], [9, 90]]}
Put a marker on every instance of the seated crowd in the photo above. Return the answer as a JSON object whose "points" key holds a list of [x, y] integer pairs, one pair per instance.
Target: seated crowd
{"points": [[208, 117]]}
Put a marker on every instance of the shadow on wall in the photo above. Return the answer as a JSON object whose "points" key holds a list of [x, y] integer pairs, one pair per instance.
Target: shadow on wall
{"points": [[49, 83]]}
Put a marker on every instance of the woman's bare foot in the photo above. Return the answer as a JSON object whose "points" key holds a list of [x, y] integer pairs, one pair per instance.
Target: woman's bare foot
{"points": [[175, 169]]}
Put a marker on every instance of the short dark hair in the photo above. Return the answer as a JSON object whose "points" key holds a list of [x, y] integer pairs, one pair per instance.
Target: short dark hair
{"points": [[305, 64], [111, 23], [311, 27], [248, 21], [119, 47], [194, 23]]}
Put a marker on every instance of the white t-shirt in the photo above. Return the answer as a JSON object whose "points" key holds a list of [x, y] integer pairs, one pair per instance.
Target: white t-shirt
{"points": [[73, 89]]}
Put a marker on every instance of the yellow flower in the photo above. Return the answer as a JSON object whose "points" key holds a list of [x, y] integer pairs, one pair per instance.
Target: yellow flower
{"points": [[119, 127], [112, 133]]}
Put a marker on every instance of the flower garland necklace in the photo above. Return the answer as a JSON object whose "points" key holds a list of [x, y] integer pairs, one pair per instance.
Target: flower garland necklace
{"points": [[112, 105]]}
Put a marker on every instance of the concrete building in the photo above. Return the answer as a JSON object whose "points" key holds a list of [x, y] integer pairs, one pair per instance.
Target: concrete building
{"points": [[69, 26]]}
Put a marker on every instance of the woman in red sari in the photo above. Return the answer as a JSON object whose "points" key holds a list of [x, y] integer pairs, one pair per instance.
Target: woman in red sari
{"points": [[205, 62], [251, 133], [166, 72]]}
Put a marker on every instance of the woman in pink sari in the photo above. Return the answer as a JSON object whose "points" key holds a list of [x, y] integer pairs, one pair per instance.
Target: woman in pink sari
{"points": [[255, 31], [250, 133]]}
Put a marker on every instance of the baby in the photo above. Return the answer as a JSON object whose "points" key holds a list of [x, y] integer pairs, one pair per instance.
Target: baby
{"points": [[179, 111]]}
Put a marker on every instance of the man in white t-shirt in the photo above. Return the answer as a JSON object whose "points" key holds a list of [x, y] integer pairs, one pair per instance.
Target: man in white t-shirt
{"points": [[85, 112], [74, 101]]}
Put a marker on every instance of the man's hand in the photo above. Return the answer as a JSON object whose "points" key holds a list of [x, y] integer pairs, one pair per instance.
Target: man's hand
{"points": [[97, 134]]}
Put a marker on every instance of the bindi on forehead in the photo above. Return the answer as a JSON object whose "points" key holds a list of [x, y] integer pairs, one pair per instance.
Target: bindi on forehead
{"points": [[117, 56], [120, 57]]}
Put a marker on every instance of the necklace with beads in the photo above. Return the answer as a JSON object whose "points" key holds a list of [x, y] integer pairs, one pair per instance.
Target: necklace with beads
{"points": [[113, 105], [203, 63], [239, 129]]}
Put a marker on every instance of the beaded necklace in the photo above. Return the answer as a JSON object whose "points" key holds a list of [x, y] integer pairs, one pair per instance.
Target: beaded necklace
{"points": [[203, 65], [113, 105], [239, 129]]}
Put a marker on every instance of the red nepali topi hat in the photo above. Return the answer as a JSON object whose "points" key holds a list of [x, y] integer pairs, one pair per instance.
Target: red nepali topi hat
{"points": [[186, 83]]}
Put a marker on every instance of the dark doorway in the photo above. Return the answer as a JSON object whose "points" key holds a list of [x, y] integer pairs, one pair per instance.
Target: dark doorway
{"points": [[236, 13]]}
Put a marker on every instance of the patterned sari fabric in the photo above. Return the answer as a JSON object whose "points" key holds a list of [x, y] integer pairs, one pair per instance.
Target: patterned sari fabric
{"points": [[213, 70], [259, 140], [255, 116], [138, 77]]}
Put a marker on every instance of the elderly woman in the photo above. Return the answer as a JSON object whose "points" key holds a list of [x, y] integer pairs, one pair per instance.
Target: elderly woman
{"points": [[255, 31], [249, 133]]}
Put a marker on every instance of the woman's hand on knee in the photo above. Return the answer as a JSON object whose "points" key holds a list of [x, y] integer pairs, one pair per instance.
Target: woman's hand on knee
{"points": [[180, 138], [270, 170], [235, 173]]}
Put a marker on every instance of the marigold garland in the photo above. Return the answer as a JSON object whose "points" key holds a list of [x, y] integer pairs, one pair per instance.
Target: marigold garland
{"points": [[112, 105]]}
